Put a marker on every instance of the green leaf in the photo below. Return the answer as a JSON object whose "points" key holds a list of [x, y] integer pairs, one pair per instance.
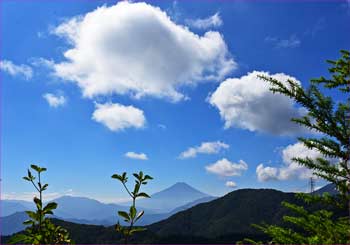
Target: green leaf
{"points": [[50, 206], [47, 212], [30, 176], [29, 222], [32, 215], [124, 214], [137, 229], [142, 194], [18, 238], [44, 187], [117, 176], [118, 227], [132, 212], [147, 177], [137, 188], [139, 215], [124, 176], [26, 178], [35, 167], [37, 202]]}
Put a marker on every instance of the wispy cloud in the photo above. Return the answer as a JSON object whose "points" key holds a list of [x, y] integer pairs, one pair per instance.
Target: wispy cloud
{"points": [[212, 21], [134, 155], [205, 148], [230, 184], [55, 100], [292, 42], [28, 196], [16, 70]]}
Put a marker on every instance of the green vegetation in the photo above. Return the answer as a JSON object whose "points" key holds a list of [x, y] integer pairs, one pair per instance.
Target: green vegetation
{"points": [[331, 121], [41, 230], [132, 217]]}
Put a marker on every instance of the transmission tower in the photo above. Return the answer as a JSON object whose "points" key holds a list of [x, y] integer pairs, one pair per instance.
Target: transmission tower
{"points": [[312, 185]]}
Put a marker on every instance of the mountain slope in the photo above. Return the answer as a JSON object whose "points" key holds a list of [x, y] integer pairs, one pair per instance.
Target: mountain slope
{"points": [[233, 213], [194, 203], [176, 195], [13, 223], [330, 188], [9, 207], [71, 207], [224, 220], [89, 211]]}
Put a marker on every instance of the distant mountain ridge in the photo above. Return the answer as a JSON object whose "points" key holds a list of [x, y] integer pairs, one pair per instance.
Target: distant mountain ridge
{"points": [[170, 198], [330, 188], [70, 207], [9, 207], [226, 219], [85, 210]]}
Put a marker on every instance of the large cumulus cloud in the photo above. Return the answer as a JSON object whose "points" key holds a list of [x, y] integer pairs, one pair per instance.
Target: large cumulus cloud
{"points": [[136, 49]]}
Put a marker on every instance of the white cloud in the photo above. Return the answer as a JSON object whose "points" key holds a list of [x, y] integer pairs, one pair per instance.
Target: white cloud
{"points": [[117, 117], [290, 169], [16, 70], [205, 148], [28, 196], [266, 173], [247, 103], [292, 42], [226, 168], [211, 21], [230, 184], [135, 49], [138, 156], [55, 100]]}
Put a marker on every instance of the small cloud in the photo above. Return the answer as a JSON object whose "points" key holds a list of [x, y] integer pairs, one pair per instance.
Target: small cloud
{"points": [[230, 184], [266, 173], [290, 169], [161, 126], [205, 148], [55, 100], [292, 42], [212, 21], [117, 117], [225, 168], [16, 70], [134, 155]]}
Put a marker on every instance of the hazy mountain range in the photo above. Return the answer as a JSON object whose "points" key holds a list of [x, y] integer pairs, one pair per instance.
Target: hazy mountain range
{"points": [[226, 219], [161, 205]]}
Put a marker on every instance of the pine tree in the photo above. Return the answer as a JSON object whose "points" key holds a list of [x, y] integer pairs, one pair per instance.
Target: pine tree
{"points": [[329, 121], [326, 117]]}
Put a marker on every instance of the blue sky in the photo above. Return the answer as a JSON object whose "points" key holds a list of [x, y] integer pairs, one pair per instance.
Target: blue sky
{"points": [[156, 80]]}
